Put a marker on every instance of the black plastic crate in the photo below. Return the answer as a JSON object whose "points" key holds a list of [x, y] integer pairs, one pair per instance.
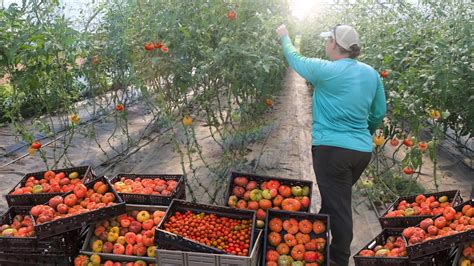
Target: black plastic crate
{"points": [[454, 196], [438, 259], [20, 259], [261, 178], [447, 242], [130, 198], [167, 240], [85, 172], [286, 215], [86, 249], [56, 244], [43, 258], [80, 220]]}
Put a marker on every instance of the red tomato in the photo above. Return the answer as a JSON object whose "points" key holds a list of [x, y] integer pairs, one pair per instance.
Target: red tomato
{"points": [[70, 200], [36, 145], [80, 190], [408, 142], [149, 46], [384, 73], [394, 142], [49, 175], [158, 45], [422, 146], [408, 170], [231, 15]]}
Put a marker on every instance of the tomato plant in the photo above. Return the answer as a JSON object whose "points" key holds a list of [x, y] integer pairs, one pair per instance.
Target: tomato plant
{"points": [[215, 64]]}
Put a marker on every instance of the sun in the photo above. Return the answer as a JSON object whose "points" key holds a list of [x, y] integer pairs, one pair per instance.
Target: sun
{"points": [[302, 8]]}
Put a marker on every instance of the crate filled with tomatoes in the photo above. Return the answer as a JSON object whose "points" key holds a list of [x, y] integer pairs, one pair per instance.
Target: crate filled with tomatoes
{"points": [[127, 236], [17, 235], [410, 210], [451, 228], [296, 238], [39, 187], [389, 248], [259, 193], [149, 189], [206, 228], [85, 205]]}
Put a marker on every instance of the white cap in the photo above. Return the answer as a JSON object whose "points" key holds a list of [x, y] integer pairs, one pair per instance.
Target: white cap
{"points": [[346, 36]]}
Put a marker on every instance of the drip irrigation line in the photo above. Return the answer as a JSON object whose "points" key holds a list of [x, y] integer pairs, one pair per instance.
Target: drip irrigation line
{"points": [[90, 121], [138, 148], [93, 120]]}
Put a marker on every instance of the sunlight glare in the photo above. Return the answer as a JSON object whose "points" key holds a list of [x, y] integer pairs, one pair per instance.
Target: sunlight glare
{"points": [[302, 8]]}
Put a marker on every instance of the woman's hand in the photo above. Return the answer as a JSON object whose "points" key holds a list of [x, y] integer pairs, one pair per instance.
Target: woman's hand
{"points": [[282, 30]]}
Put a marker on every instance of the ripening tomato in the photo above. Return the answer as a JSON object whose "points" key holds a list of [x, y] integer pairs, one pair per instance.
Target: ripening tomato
{"points": [[75, 119], [119, 107], [408, 170], [149, 46], [187, 120], [158, 45], [70, 200], [36, 145], [394, 142], [379, 140], [80, 190], [231, 15], [435, 114], [422, 146], [408, 142], [269, 103], [48, 175]]}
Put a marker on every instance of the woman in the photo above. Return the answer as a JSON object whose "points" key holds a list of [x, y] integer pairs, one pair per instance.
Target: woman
{"points": [[348, 106]]}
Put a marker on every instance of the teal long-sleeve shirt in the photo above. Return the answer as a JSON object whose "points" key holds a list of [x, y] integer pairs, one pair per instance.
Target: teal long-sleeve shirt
{"points": [[348, 100]]}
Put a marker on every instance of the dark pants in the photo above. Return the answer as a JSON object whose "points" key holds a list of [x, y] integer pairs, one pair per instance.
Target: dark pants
{"points": [[337, 169]]}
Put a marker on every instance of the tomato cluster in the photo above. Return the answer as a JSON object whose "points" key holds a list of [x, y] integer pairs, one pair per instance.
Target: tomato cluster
{"points": [[394, 246], [149, 186], [293, 242], [21, 226], [229, 235], [80, 201], [150, 46], [451, 222], [51, 182], [421, 206]]}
